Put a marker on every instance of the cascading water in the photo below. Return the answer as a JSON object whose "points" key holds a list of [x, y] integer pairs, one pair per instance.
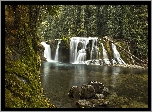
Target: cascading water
{"points": [[117, 58], [94, 40], [79, 47], [47, 51], [105, 56], [57, 51], [79, 56]]}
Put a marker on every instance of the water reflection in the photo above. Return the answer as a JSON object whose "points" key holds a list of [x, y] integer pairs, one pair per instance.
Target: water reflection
{"points": [[115, 76], [79, 76], [115, 70], [57, 78], [105, 70], [46, 68]]}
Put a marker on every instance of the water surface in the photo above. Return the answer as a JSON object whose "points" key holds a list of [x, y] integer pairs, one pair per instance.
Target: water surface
{"points": [[57, 78]]}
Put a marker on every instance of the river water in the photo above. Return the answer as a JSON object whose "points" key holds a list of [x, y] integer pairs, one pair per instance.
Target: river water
{"points": [[58, 78]]}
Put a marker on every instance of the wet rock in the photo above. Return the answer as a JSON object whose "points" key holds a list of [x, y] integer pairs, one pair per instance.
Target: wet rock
{"points": [[84, 104], [87, 91], [99, 103], [99, 96], [98, 86], [105, 91], [93, 103], [74, 92], [92, 95], [43, 59]]}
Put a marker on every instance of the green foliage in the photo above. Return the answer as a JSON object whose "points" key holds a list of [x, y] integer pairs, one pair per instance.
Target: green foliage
{"points": [[27, 25], [22, 81], [129, 22]]}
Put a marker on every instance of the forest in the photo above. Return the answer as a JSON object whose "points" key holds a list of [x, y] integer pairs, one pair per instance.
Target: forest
{"points": [[126, 22], [28, 25]]}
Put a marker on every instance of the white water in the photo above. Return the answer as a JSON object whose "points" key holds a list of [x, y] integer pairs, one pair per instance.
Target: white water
{"points": [[57, 51], [80, 56], [47, 51], [117, 59], [93, 48], [78, 46], [105, 56]]}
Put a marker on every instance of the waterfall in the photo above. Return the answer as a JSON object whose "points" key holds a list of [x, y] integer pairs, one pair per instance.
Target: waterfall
{"points": [[93, 47], [117, 59], [81, 56], [73, 48], [78, 55], [47, 51], [105, 56], [83, 48], [57, 51]]}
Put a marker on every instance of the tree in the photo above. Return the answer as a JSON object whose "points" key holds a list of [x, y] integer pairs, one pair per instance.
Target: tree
{"points": [[129, 22], [22, 62]]}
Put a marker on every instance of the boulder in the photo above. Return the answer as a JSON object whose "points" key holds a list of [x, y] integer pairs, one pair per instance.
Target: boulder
{"points": [[99, 103], [105, 91], [87, 91], [93, 103], [91, 95], [98, 86], [74, 92], [99, 96], [84, 104]]}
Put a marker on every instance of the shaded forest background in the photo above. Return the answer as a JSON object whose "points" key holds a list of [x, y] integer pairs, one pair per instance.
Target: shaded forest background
{"points": [[128, 22], [27, 25]]}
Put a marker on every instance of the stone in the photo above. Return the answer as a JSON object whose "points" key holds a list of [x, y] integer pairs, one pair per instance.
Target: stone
{"points": [[43, 59], [98, 86], [74, 92], [105, 91], [87, 91], [91, 95], [99, 103], [84, 104], [99, 96]]}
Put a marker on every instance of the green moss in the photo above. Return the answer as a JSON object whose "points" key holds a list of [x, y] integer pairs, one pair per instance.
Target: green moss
{"points": [[19, 94], [22, 62], [107, 45], [22, 81]]}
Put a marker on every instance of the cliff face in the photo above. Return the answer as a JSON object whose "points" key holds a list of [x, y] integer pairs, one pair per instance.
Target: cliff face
{"points": [[22, 61]]}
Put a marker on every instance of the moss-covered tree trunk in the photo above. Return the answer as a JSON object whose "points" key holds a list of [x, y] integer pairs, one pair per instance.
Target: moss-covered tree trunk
{"points": [[22, 80]]}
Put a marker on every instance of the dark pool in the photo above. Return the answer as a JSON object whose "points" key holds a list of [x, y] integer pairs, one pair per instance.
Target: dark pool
{"points": [[57, 78]]}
